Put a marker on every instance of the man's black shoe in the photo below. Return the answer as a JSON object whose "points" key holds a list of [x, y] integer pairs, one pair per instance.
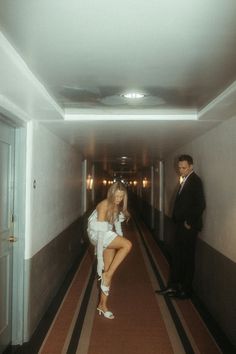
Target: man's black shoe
{"points": [[182, 295], [166, 291]]}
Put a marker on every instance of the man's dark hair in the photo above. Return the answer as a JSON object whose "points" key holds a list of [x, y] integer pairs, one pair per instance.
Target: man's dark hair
{"points": [[187, 158]]}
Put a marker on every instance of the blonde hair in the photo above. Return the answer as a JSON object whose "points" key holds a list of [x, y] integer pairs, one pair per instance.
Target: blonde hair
{"points": [[112, 210]]}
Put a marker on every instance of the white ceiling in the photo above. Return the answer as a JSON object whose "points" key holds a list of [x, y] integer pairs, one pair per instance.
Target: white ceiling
{"points": [[181, 54]]}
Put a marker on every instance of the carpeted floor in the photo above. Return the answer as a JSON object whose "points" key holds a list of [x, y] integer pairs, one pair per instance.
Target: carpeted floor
{"points": [[144, 323]]}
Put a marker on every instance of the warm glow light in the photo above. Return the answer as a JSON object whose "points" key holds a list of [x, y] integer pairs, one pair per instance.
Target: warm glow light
{"points": [[104, 182], [145, 182], [135, 183]]}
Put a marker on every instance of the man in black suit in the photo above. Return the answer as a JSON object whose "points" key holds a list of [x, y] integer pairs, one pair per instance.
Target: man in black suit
{"points": [[187, 216]]}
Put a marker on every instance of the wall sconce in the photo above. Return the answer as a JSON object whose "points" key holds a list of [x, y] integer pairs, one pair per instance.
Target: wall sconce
{"points": [[104, 182], [145, 182], [89, 182]]}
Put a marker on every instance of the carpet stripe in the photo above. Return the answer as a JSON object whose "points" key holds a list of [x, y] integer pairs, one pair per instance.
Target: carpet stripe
{"points": [[170, 326], [195, 327], [60, 328], [184, 339], [88, 321], [80, 319]]}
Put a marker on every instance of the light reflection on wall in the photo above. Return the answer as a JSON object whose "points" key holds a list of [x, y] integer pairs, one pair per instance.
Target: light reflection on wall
{"points": [[89, 182]]}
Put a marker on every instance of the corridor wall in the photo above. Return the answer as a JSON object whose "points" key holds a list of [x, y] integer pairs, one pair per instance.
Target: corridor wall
{"points": [[215, 162], [53, 212]]}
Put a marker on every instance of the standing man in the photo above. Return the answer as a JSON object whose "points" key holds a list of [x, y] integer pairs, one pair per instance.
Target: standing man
{"points": [[187, 216]]}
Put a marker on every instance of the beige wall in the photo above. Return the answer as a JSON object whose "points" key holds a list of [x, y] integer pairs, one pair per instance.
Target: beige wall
{"points": [[215, 162], [55, 202]]}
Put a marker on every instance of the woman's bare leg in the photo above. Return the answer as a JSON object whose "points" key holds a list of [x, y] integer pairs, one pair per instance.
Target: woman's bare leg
{"points": [[113, 255], [108, 256], [122, 246]]}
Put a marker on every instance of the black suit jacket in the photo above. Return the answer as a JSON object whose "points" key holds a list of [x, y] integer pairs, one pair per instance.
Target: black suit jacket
{"points": [[190, 203]]}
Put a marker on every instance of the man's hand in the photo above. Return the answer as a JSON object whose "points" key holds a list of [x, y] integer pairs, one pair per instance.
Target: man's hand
{"points": [[187, 226]]}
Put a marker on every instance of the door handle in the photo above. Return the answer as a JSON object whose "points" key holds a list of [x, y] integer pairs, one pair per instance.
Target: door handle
{"points": [[12, 239]]}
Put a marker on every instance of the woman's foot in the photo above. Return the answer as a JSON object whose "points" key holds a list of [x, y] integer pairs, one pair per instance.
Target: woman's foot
{"points": [[105, 283], [105, 313]]}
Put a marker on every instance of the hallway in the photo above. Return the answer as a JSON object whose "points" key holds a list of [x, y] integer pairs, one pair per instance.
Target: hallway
{"points": [[91, 93], [144, 322]]}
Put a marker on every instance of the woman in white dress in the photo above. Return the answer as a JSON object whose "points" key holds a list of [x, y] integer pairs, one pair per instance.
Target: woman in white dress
{"points": [[105, 233]]}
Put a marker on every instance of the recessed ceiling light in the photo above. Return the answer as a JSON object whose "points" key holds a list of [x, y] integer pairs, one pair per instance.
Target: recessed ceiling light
{"points": [[133, 95], [123, 160]]}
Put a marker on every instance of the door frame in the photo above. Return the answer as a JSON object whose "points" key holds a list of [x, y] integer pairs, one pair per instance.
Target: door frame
{"points": [[19, 173], [18, 320]]}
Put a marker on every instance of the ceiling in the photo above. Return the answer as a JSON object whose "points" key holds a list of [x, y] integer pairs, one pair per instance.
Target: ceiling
{"points": [[86, 54]]}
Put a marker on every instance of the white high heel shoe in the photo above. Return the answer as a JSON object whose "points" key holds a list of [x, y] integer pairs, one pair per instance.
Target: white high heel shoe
{"points": [[107, 314], [105, 289]]}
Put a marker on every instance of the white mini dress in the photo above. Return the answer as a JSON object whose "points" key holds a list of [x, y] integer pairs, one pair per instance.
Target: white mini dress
{"points": [[101, 234]]}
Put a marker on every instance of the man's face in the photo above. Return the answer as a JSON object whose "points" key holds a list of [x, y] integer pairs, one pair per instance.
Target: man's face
{"points": [[184, 168]]}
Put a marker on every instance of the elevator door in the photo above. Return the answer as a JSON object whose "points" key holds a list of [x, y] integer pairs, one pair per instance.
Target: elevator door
{"points": [[6, 231]]}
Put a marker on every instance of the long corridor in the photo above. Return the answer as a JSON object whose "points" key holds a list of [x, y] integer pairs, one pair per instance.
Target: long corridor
{"points": [[144, 322]]}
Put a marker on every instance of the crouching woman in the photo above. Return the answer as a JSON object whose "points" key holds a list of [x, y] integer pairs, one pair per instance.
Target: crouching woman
{"points": [[105, 233]]}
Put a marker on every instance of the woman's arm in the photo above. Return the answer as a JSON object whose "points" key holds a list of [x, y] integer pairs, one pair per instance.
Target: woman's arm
{"points": [[117, 224], [102, 227]]}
